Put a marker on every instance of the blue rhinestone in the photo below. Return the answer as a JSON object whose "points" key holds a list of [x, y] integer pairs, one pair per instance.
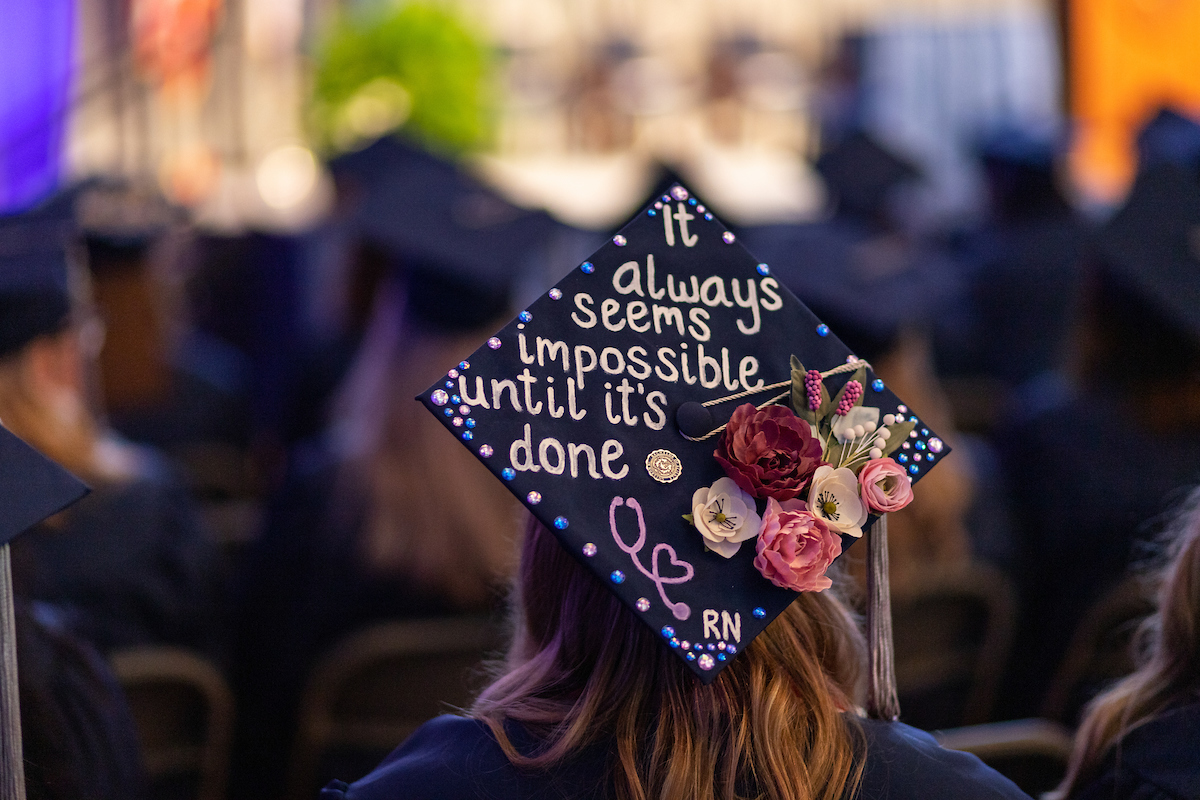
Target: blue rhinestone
{"points": [[691, 201], [651, 212], [667, 631], [464, 365], [456, 400], [903, 459], [468, 436], [666, 198], [471, 423], [721, 656], [877, 384], [588, 267], [525, 316], [508, 473], [711, 646], [691, 656], [708, 217], [924, 431], [929, 458], [617, 576], [561, 523], [449, 384], [760, 612], [822, 329], [674, 642], [913, 469], [919, 445], [763, 269], [449, 412]]}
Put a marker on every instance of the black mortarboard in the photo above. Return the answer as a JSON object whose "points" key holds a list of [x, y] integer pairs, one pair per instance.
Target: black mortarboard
{"points": [[590, 407], [866, 287], [32, 487], [34, 297], [460, 246], [1170, 137], [1151, 247], [860, 172]]}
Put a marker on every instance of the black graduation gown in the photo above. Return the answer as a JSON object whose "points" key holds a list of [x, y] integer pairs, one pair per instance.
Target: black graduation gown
{"points": [[452, 757], [1157, 761]]}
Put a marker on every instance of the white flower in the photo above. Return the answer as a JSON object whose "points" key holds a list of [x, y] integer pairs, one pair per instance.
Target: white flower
{"points": [[725, 516], [833, 496], [858, 422]]}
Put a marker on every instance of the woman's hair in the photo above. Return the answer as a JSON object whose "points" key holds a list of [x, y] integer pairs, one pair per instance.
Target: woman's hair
{"points": [[429, 512], [1168, 646], [583, 669]]}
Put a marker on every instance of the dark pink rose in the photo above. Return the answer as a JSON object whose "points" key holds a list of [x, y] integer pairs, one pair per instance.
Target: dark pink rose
{"points": [[885, 485], [769, 452], [795, 548]]}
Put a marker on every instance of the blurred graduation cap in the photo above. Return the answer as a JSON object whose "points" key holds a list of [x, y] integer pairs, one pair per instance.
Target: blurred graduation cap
{"points": [[1151, 247], [460, 247], [32, 487], [1169, 136], [867, 287], [620, 408], [34, 292], [861, 173]]}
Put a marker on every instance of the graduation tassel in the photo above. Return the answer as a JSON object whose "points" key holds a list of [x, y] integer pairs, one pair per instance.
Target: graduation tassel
{"points": [[882, 702], [12, 766]]}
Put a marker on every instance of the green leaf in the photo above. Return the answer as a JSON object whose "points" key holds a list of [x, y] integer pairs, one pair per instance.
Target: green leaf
{"points": [[899, 434], [690, 519]]}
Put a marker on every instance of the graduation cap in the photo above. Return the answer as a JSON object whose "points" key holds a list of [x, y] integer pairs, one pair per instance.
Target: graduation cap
{"points": [[620, 408], [861, 172], [865, 286], [31, 488], [1151, 247], [34, 297], [460, 245], [1171, 137]]}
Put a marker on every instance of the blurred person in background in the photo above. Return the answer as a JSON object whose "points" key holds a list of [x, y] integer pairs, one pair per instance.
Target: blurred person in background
{"points": [[1138, 738], [380, 517], [1106, 451], [131, 563]]}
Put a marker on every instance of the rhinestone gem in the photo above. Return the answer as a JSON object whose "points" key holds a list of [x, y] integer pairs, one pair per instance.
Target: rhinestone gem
{"points": [[720, 645], [667, 631], [900, 417], [731, 649], [650, 212], [525, 316], [486, 451], [919, 445], [666, 198], [439, 397], [533, 498], [701, 208], [449, 412], [763, 269], [721, 657], [706, 662], [877, 384], [691, 201], [903, 459], [924, 431], [617, 576], [456, 399], [457, 422], [555, 294], [822, 329], [906, 446], [679, 193], [643, 604], [691, 656], [465, 410], [471, 423], [508, 473], [710, 646], [494, 342], [467, 436], [620, 241], [453, 373], [658, 203], [760, 612], [674, 642], [464, 365], [936, 445], [902, 409], [913, 469], [588, 267], [728, 238], [708, 217], [685, 644], [561, 523], [912, 434], [589, 549], [916, 456], [929, 458], [449, 384]]}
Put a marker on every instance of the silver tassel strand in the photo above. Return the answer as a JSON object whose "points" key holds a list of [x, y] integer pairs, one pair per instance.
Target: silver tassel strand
{"points": [[882, 702]]}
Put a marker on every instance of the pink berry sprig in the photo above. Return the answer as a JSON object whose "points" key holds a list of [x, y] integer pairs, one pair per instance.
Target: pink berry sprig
{"points": [[812, 387], [853, 391]]}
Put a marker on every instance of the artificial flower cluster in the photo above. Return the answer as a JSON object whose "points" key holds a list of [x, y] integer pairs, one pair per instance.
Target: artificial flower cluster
{"points": [[822, 466]]}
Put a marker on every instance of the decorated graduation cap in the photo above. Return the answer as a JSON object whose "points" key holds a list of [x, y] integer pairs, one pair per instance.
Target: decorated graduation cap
{"points": [[688, 429], [861, 172], [31, 488]]}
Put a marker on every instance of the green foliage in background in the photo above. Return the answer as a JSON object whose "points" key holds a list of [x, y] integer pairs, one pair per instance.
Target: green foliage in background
{"points": [[415, 66]]}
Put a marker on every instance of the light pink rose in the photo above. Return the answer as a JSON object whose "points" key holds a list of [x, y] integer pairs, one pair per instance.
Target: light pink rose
{"points": [[795, 548], [885, 485]]}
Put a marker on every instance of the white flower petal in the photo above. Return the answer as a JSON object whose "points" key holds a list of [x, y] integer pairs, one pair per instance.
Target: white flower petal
{"points": [[723, 548]]}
